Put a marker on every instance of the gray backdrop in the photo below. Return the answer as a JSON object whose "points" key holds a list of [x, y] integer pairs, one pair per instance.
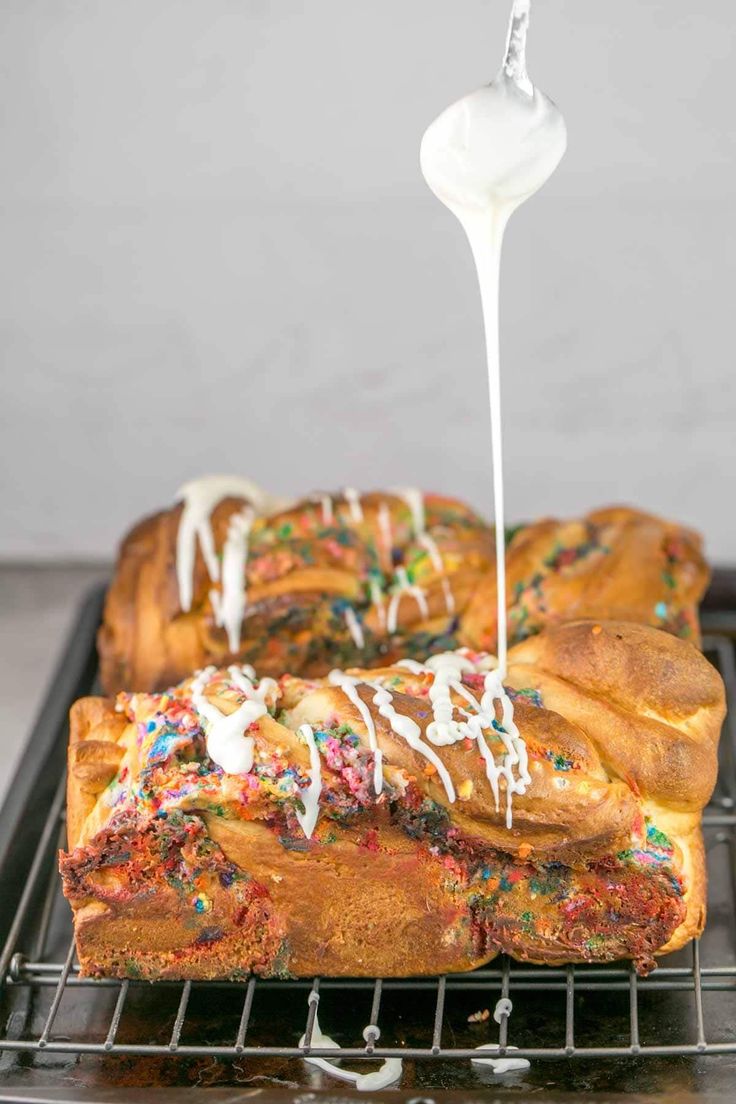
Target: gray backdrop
{"points": [[219, 254]]}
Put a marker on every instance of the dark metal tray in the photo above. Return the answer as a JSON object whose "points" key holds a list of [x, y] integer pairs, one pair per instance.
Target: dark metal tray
{"points": [[596, 1032]]}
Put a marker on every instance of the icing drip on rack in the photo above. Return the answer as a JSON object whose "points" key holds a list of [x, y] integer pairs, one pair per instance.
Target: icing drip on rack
{"points": [[227, 744], [501, 1012], [388, 1074], [501, 1065], [199, 497]]}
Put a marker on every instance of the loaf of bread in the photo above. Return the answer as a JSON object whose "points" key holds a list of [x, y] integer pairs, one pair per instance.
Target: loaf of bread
{"points": [[229, 575], [342, 579], [618, 563], [406, 820]]}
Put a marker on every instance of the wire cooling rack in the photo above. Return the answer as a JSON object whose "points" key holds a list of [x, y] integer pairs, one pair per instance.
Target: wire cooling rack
{"points": [[687, 1007]]}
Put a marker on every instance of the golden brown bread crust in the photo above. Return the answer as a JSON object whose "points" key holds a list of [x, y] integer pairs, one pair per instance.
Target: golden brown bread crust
{"points": [[616, 564], [93, 758], [663, 755], [304, 574], [178, 870]]}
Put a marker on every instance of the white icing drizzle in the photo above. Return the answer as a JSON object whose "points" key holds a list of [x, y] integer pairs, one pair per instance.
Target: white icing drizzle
{"points": [[435, 556], [227, 744], [231, 749], [503, 1010], [448, 669], [347, 683], [311, 794], [405, 587], [377, 599], [388, 1074], [414, 499], [230, 605], [384, 524], [325, 502], [354, 627], [200, 496], [410, 731], [413, 665], [501, 1065], [353, 500]]}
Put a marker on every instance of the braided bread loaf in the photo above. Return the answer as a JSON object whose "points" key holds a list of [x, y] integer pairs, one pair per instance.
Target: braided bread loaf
{"points": [[398, 821], [225, 576], [616, 563], [333, 579]]}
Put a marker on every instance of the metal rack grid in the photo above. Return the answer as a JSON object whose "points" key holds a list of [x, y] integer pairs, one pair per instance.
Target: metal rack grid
{"points": [[39, 979]]}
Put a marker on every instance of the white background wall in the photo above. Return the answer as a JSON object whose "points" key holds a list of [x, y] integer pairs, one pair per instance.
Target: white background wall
{"points": [[218, 254]]}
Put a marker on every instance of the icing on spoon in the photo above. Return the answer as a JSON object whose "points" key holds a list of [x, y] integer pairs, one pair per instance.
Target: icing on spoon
{"points": [[483, 156]]}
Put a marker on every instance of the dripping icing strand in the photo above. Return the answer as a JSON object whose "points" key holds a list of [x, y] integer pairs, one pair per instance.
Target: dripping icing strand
{"points": [[325, 502], [310, 795], [409, 730], [482, 157], [404, 587], [377, 600], [347, 683], [384, 525], [448, 669], [354, 627], [227, 744], [353, 500], [427, 542], [414, 499], [199, 498], [230, 604]]}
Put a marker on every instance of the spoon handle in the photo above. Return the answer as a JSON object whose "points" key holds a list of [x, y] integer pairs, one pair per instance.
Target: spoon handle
{"points": [[514, 61]]}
